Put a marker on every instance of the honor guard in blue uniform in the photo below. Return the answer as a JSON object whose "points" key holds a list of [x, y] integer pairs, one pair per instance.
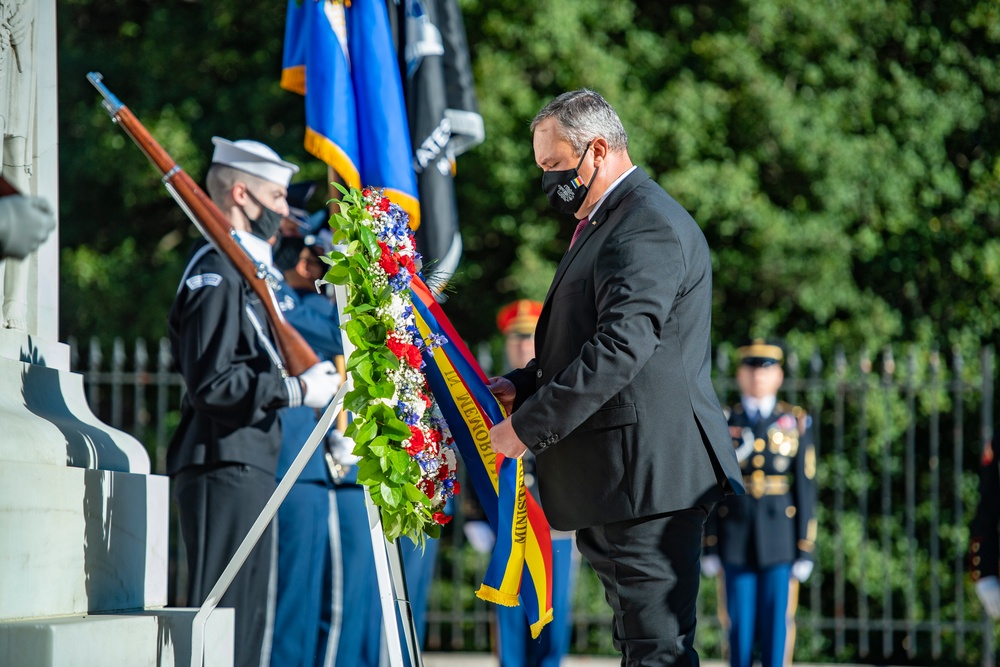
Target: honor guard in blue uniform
{"points": [[304, 608], [764, 541], [355, 628], [223, 456], [984, 534]]}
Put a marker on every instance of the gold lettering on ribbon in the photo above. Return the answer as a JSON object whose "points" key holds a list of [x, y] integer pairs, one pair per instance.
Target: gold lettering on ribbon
{"points": [[473, 418], [521, 515]]}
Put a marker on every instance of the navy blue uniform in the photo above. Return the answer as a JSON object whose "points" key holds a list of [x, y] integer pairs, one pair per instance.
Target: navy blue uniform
{"points": [[222, 458], [758, 536], [984, 536], [304, 605]]}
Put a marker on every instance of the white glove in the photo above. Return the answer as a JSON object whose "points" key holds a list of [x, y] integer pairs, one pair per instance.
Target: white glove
{"points": [[480, 536], [801, 569], [342, 447], [25, 222], [321, 382], [710, 565], [988, 590]]}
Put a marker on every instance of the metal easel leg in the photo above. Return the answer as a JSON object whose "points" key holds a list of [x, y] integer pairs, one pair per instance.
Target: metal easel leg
{"points": [[392, 592], [259, 526], [388, 563]]}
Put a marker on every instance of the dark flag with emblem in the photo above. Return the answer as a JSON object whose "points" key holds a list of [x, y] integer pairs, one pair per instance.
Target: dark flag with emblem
{"points": [[444, 122]]}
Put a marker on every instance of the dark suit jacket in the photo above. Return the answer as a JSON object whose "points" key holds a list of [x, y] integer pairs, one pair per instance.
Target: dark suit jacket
{"points": [[618, 404]]}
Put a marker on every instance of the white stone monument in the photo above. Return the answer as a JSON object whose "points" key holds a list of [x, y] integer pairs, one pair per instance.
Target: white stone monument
{"points": [[83, 523]]}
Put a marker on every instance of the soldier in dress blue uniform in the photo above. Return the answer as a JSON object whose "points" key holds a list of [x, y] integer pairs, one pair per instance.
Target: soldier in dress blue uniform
{"points": [[301, 636], [223, 456], [984, 542], [764, 542]]}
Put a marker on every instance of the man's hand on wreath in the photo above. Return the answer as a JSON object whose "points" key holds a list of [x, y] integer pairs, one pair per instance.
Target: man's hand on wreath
{"points": [[504, 391]]}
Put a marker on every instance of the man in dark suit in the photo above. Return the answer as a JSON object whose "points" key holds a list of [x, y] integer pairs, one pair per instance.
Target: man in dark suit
{"points": [[618, 407]]}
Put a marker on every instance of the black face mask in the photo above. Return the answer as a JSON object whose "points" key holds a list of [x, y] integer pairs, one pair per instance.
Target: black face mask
{"points": [[565, 189], [265, 225]]}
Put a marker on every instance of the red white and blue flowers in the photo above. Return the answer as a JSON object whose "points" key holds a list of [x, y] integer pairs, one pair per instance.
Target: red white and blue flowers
{"points": [[407, 459]]}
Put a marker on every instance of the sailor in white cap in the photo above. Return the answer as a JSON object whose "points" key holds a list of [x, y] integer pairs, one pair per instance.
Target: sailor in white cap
{"points": [[223, 457]]}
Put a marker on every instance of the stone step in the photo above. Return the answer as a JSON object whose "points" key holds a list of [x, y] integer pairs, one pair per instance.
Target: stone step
{"points": [[149, 638], [79, 541]]}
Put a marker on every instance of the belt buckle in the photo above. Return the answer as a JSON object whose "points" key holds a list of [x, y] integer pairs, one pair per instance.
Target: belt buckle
{"points": [[338, 471]]}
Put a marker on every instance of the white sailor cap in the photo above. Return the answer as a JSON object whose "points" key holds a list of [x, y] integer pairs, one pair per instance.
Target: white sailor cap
{"points": [[254, 158]]}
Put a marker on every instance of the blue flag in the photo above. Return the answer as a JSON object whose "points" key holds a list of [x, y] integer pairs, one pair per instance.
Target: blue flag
{"points": [[342, 59]]}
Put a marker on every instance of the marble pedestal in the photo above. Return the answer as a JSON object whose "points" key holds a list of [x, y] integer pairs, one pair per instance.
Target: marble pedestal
{"points": [[84, 526]]}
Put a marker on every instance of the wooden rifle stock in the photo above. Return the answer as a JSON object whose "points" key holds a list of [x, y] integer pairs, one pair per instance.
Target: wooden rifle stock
{"points": [[6, 189], [295, 352]]}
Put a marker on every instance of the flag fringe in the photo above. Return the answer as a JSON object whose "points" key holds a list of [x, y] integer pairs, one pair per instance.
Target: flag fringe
{"points": [[490, 594], [536, 627]]}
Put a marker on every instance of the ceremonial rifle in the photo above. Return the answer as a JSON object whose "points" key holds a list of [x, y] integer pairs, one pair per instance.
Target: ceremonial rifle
{"points": [[214, 226], [6, 189]]}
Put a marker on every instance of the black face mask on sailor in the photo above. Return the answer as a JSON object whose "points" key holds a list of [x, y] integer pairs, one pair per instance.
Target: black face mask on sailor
{"points": [[565, 189], [265, 225]]}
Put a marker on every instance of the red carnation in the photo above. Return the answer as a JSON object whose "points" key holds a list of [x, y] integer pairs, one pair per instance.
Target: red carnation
{"points": [[441, 518], [427, 486], [408, 264], [397, 347], [366, 192], [413, 356], [443, 472], [456, 488], [383, 204], [386, 261], [417, 443]]}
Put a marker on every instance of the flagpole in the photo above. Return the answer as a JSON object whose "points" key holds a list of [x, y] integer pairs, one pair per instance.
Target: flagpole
{"points": [[388, 563]]}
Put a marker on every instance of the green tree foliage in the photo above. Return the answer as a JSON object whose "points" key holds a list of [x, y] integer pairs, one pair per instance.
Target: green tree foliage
{"points": [[188, 71], [840, 157]]}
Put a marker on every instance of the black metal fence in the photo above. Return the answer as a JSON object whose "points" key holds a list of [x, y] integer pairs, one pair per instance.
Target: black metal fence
{"points": [[898, 445]]}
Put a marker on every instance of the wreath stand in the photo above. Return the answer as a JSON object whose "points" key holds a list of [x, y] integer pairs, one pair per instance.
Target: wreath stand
{"points": [[388, 557]]}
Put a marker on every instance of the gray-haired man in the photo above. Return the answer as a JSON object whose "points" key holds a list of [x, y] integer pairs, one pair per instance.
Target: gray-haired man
{"points": [[631, 443]]}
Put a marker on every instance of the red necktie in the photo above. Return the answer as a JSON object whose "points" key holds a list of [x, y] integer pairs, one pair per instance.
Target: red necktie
{"points": [[579, 228]]}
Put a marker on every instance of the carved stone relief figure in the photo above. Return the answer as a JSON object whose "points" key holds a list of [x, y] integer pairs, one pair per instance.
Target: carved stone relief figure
{"points": [[17, 129]]}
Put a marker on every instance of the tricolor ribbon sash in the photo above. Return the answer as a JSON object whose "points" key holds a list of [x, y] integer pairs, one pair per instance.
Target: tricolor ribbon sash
{"points": [[521, 565]]}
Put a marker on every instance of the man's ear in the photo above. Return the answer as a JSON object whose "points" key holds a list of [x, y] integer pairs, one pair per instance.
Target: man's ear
{"points": [[600, 148], [239, 193]]}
